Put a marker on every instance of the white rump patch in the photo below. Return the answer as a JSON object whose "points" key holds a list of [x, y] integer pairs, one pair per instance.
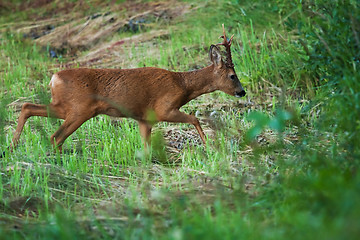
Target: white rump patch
{"points": [[55, 80]]}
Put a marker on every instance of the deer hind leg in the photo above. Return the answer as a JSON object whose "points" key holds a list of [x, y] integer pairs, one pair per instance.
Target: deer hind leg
{"points": [[177, 116], [29, 110], [71, 123]]}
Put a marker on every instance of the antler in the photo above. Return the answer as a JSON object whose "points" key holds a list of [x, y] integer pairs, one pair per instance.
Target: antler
{"points": [[227, 43]]}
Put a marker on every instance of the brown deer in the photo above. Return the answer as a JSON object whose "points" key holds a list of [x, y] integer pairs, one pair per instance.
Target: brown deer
{"points": [[82, 93]]}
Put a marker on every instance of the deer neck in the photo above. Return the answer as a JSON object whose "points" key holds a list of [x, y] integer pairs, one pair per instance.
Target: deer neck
{"points": [[198, 82]]}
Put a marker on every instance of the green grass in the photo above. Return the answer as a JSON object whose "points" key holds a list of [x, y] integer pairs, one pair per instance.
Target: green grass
{"points": [[280, 164]]}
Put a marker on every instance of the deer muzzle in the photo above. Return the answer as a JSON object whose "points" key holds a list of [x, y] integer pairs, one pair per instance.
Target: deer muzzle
{"points": [[240, 94]]}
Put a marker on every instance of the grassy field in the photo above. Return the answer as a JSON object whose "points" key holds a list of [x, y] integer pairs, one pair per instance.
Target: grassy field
{"points": [[281, 163]]}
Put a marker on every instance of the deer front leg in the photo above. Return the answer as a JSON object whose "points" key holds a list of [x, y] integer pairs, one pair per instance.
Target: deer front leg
{"points": [[145, 132], [179, 117]]}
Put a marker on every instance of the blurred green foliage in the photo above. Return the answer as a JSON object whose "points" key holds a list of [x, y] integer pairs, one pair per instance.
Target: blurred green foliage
{"points": [[313, 188], [329, 35]]}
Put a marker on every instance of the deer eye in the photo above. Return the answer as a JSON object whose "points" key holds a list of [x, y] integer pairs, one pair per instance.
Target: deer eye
{"points": [[232, 77]]}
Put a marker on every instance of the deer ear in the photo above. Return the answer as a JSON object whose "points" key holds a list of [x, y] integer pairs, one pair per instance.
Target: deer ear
{"points": [[215, 56]]}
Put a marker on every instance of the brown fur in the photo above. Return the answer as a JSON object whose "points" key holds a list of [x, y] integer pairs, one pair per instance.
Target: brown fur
{"points": [[80, 94]]}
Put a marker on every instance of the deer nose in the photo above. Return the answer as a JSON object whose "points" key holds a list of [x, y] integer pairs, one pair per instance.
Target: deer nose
{"points": [[242, 93]]}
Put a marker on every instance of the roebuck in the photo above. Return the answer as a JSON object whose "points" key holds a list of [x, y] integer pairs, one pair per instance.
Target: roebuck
{"points": [[82, 93]]}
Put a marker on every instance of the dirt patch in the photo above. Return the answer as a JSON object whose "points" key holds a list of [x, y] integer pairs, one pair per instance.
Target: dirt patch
{"points": [[34, 4], [5, 6], [23, 205], [45, 9], [116, 53], [72, 32]]}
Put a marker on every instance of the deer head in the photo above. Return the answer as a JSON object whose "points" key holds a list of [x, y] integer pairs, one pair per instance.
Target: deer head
{"points": [[227, 80]]}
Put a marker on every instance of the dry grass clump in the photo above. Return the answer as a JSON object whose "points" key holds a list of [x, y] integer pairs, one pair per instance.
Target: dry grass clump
{"points": [[74, 32]]}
